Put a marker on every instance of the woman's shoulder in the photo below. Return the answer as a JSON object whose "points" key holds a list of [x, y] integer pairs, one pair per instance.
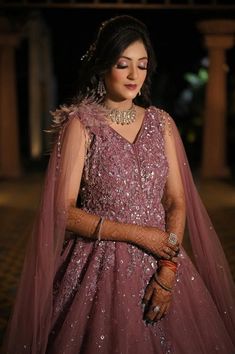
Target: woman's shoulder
{"points": [[154, 110], [161, 117], [88, 113], [160, 112]]}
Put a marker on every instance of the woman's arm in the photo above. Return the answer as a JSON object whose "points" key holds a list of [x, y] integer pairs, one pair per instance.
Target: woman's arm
{"points": [[151, 239], [174, 204], [173, 199]]}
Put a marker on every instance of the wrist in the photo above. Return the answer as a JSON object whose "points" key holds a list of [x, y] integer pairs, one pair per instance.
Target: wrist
{"points": [[116, 231], [166, 273], [137, 236], [165, 284], [168, 264], [165, 270]]}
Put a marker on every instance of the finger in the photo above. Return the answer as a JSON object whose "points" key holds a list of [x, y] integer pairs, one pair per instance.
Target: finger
{"points": [[161, 313], [174, 259], [173, 248], [148, 294], [151, 314], [156, 317], [156, 314], [170, 252], [167, 308], [165, 255]]}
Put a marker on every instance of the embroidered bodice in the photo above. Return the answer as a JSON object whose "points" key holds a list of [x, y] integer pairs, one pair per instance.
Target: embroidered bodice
{"points": [[125, 181]]}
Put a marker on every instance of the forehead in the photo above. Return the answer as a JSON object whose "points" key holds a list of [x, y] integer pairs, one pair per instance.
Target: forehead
{"points": [[135, 50]]}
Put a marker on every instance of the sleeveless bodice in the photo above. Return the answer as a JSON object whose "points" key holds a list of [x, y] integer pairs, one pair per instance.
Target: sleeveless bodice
{"points": [[125, 181]]}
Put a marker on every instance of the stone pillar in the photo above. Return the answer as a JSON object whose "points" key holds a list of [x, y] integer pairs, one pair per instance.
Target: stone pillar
{"points": [[35, 98], [10, 165], [41, 81], [218, 37]]}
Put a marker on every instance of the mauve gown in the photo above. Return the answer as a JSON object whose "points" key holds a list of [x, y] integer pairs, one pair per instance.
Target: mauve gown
{"points": [[100, 285]]}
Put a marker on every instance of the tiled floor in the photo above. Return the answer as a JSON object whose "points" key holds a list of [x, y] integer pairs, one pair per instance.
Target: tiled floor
{"points": [[19, 200]]}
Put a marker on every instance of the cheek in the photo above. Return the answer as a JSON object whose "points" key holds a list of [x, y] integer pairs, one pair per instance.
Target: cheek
{"points": [[143, 75], [115, 76]]}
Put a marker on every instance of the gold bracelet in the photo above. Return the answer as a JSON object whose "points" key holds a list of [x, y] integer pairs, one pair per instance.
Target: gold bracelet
{"points": [[162, 285]]}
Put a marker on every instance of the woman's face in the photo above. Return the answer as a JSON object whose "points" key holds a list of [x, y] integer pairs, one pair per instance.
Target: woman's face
{"points": [[125, 79]]}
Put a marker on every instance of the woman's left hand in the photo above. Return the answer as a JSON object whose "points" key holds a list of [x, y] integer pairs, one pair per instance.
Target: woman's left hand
{"points": [[156, 299]]}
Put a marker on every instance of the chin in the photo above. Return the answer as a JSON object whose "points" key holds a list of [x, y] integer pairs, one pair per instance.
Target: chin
{"points": [[131, 96], [124, 97]]}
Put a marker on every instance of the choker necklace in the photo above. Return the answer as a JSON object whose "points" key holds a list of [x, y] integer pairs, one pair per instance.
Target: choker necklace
{"points": [[123, 117]]}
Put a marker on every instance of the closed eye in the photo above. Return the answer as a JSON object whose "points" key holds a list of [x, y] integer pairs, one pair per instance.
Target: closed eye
{"points": [[142, 67], [121, 66], [124, 66]]}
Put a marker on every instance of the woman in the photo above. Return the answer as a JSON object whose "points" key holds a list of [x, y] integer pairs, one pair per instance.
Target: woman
{"points": [[105, 269]]}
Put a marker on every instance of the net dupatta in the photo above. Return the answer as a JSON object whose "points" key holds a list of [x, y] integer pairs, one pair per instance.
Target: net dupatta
{"points": [[31, 317], [207, 250], [30, 321]]}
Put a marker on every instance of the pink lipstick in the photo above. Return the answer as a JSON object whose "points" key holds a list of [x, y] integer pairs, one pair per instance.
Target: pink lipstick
{"points": [[131, 87]]}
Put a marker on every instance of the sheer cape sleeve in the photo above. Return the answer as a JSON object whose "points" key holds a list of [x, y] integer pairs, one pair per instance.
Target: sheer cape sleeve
{"points": [[208, 253], [30, 321]]}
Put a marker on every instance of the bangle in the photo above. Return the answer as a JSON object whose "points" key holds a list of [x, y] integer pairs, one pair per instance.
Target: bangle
{"points": [[162, 285], [100, 224], [169, 264]]}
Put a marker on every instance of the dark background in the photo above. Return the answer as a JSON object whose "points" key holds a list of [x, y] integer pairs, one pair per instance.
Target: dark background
{"points": [[179, 50]]}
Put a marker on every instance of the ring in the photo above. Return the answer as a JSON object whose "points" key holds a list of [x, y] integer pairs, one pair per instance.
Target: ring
{"points": [[172, 238], [156, 309]]}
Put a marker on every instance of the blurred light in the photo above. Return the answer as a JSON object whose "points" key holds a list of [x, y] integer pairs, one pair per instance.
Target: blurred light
{"points": [[205, 62]]}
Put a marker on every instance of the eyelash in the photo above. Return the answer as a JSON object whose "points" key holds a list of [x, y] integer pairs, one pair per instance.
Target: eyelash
{"points": [[119, 66]]}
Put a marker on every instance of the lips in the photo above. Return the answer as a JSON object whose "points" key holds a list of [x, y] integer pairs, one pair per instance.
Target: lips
{"points": [[131, 87]]}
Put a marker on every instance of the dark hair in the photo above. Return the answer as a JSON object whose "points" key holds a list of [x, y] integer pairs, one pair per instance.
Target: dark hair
{"points": [[114, 36]]}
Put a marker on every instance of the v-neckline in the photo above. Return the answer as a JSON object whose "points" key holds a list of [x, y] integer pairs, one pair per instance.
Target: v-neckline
{"points": [[138, 135]]}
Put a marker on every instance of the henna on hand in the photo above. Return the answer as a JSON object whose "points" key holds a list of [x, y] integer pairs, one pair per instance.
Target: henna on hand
{"points": [[156, 242], [156, 296]]}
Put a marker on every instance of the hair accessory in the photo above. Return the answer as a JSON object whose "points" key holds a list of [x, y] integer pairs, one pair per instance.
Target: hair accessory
{"points": [[123, 117], [101, 88], [89, 53]]}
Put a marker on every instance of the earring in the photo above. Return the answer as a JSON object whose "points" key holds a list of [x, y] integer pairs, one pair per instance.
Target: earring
{"points": [[139, 93], [101, 88]]}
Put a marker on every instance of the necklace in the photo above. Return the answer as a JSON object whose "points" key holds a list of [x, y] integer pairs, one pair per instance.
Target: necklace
{"points": [[123, 117]]}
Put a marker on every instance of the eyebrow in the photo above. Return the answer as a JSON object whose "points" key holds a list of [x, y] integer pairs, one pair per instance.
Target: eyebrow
{"points": [[123, 56]]}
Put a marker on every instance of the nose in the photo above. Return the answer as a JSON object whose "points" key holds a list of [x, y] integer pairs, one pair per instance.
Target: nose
{"points": [[133, 72]]}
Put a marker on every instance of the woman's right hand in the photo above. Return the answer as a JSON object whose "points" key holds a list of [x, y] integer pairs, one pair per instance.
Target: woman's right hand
{"points": [[156, 242], [151, 239]]}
